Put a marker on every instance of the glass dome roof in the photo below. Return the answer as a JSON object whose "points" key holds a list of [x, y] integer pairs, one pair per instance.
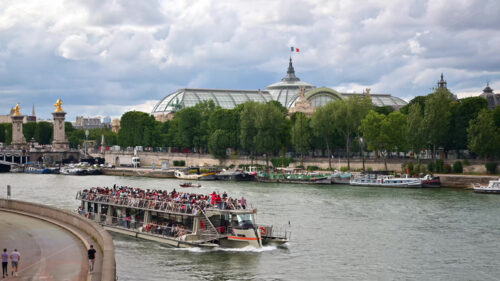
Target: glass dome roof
{"points": [[223, 98]]}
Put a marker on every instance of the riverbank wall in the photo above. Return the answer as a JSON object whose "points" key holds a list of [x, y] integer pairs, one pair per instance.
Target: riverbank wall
{"points": [[464, 181], [94, 230], [194, 159]]}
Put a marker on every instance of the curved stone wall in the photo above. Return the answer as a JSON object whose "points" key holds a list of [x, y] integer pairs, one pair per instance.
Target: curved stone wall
{"points": [[94, 230]]}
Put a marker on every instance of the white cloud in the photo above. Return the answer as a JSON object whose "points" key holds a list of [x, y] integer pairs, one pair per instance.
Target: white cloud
{"points": [[96, 53]]}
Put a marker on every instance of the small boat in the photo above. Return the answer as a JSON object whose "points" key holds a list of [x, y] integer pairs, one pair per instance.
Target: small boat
{"points": [[430, 181], [37, 170], [341, 178], [190, 184], [492, 187], [195, 173]]}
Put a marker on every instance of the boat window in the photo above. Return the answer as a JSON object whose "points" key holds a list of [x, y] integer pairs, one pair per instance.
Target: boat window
{"points": [[245, 220]]}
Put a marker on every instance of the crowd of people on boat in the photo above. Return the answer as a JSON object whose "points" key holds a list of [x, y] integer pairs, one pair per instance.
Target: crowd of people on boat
{"points": [[157, 199]]}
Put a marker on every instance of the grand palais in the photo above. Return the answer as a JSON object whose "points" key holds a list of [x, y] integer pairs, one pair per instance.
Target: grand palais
{"points": [[287, 92]]}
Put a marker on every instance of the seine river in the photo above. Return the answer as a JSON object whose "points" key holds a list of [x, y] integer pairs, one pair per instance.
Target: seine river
{"points": [[338, 232]]}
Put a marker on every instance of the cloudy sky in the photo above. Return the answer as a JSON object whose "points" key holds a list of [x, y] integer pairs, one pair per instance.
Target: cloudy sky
{"points": [[107, 57]]}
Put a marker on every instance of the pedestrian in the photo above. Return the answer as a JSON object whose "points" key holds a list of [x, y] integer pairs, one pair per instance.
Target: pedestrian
{"points": [[91, 253], [5, 263], [15, 257]]}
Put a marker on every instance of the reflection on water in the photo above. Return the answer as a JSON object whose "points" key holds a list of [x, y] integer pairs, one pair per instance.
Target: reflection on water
{"points": [[338, 232]]}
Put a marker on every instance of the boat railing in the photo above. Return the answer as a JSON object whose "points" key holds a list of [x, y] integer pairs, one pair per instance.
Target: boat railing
{"points": [[150, 204], [276, 231], [138, 225]]}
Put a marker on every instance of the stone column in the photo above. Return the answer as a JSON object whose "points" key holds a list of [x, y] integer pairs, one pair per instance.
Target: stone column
{"points": [[18, 140], [60, 141]]}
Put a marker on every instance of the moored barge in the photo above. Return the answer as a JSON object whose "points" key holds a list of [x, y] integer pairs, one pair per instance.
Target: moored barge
{"points": [[179, 219]]}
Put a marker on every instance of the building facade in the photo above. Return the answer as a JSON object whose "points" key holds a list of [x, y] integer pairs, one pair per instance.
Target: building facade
{"points": [[287, 91]]}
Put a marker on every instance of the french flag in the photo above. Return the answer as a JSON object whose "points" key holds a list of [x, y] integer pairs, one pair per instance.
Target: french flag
{"points": [[293, 49]]}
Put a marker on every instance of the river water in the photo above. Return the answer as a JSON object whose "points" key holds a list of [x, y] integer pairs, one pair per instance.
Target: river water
{"points": [[338, 232]]}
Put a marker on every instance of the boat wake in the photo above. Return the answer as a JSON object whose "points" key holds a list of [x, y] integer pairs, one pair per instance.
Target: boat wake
{"points": [[245, 249]]}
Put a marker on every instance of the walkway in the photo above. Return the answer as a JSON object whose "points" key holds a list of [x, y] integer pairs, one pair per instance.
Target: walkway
{"points": [[48, 252]]}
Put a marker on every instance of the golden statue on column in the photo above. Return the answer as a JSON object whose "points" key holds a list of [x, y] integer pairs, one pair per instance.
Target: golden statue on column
{"points": [[17, 110], [58, 105]]}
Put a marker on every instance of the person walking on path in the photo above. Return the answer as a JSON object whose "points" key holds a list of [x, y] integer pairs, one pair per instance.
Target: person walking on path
{"points": [[5, 263], [15, 257], [91, 253]]}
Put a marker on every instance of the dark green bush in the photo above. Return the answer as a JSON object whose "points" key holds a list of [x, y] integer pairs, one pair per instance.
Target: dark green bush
{"points": [[179, 163], [491, 167], [312, 168], [431, 167], [466, 162], [300, 166], [457, 167], [439, 165]]}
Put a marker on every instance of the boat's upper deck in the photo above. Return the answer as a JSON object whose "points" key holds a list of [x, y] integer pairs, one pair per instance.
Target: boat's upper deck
{"points": [[163, 201]]}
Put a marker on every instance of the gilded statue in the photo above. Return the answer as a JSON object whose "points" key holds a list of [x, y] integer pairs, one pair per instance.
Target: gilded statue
{"points": [[17, 110], [58, 106]]}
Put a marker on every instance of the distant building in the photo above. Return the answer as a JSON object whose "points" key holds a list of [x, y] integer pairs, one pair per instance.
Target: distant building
{"points": [[90, 123], [287, 92], [492, 98], [106, 120]]}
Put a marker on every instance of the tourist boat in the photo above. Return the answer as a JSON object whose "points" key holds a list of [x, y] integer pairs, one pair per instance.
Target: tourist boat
{"points": [[190, 184], [178, 224], [492, 187], [195, 173], [385, 181]]}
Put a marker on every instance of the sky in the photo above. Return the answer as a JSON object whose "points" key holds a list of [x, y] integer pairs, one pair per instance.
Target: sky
{"points": [[108, 57]]}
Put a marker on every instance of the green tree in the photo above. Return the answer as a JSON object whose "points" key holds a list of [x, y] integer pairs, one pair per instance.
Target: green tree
{"points": [[496, 116], [43, 132], [437, 116], [396, 127], [384, 109], [463, 112], [227, 120], [419, 99], [301, 135], [248, 128], [138, 129], [377, 138], [269, 124], [415, 133], [29, 130], [348, 115], [484, 136], [323, 126], [218, 142]]}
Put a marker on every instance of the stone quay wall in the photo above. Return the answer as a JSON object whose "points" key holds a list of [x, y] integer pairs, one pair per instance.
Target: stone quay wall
{"points": [[94, 230], [194, 159]]}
